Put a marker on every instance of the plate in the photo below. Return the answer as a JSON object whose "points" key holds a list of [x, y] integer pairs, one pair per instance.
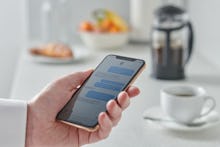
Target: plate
{"points": [[80, 53], [211, 120]]}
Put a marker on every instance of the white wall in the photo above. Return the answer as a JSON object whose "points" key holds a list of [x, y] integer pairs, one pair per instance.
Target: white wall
{"points": [[206, 17], [11, 38]]}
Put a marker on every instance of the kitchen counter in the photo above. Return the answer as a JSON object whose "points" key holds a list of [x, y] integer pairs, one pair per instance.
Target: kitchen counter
{"points": [[132, 130]]}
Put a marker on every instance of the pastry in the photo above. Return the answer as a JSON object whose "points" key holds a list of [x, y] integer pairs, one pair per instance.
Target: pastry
{"points": [[56, 50]]}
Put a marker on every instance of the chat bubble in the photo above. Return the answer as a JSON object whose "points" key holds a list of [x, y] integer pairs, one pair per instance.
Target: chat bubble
{"points": [[112, 82], [107, 86], [121, 71], [99, 95]]}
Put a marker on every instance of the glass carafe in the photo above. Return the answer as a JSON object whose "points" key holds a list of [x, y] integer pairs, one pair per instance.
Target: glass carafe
{"points": [[172, 42]]}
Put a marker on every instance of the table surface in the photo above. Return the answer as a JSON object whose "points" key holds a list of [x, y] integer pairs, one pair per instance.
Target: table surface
{"points": [[132, 130]]}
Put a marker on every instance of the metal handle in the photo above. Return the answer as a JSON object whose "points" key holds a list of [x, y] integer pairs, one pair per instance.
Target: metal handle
{"points": [[190, 41]]}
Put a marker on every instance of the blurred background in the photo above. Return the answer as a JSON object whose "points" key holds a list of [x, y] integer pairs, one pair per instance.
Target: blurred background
{"points": [[21, 22]]}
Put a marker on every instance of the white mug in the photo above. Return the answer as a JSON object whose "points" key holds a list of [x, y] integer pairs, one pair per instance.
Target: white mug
{"points": [[185, 103]]}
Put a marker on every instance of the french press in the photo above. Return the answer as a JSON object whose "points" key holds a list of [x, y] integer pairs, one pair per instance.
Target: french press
{"points": [[172, 42]]}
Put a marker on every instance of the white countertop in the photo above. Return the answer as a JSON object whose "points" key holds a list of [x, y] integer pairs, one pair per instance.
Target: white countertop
{"points": [[132, 131]]}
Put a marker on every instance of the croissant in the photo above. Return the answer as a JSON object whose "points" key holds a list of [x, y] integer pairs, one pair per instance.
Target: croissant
{"points": [[56, 50]]}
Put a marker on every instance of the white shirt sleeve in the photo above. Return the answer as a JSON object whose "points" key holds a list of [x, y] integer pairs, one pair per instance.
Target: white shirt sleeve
{"points": [[13, 115]]}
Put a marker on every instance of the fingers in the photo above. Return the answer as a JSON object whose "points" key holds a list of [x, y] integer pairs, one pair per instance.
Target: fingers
{"points": [[114, 111], [133, 91], [123, 100], [110, 118], [105, 124]]}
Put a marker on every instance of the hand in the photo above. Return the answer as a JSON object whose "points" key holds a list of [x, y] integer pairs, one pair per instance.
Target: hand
{"points": [[42, 128]]}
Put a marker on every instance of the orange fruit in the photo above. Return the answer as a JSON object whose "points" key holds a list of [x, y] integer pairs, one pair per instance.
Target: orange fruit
{"points": [[106, 24], [86, 26]]}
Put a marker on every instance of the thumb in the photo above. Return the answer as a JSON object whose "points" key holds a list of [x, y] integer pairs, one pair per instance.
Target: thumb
{"points": [[75, 79]]}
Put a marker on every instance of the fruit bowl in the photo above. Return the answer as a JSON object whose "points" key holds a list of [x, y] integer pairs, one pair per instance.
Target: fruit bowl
{"points": [[109, 31], [96, 40]]}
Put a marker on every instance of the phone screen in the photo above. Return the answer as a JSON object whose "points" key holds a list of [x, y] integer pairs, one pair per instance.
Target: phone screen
{"points": [[111, 77]]}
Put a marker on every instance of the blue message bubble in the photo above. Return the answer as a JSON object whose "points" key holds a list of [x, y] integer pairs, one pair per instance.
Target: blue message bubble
{"points": [[99, 95], [107, 86], [121, 71], [112, 82]]}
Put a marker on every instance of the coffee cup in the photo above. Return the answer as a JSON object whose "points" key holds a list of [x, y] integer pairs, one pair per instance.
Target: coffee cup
{"points": [[184, 104]]}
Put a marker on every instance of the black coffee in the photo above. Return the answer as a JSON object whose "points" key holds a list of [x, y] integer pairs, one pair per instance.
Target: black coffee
{"points": [[185, 95], [168, 63], [174, 56]]}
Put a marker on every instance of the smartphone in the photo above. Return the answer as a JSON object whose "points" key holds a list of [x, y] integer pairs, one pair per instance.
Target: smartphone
{"points": [[113, 75]]}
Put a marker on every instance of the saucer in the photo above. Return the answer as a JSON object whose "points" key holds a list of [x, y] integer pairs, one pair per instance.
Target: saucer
{"points": [[211, 120]]}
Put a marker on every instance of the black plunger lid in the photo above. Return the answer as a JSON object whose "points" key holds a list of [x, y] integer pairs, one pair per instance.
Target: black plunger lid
{"points": [[169, 11]]}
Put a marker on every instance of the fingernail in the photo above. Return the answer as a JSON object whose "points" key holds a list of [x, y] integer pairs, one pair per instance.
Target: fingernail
{"points": [[103, 114]]}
